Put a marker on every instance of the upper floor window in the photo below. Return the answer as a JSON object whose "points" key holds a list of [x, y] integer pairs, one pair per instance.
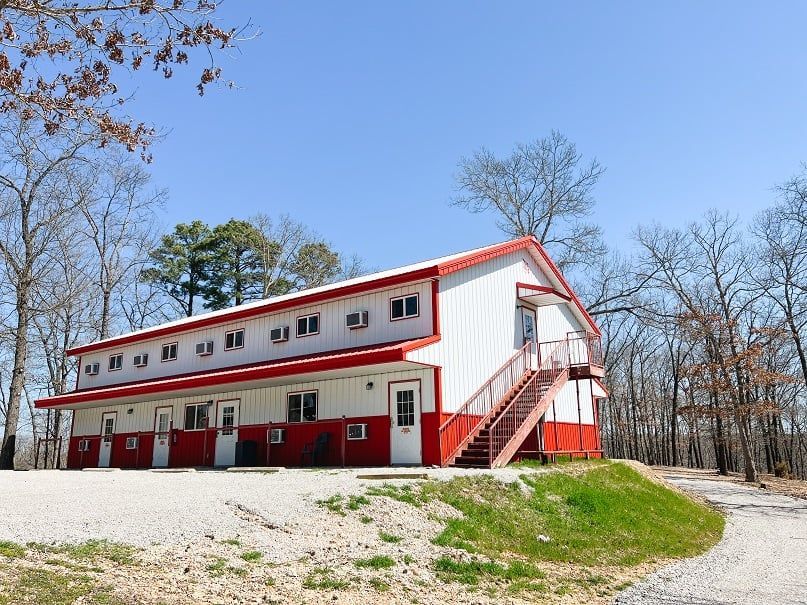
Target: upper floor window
{"points": [[404, 307], [115, 362], [234, 340], [169, 352], [307, 325], [303, 406]]}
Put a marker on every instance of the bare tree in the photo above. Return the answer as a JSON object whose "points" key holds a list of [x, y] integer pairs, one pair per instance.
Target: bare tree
{"points": [[543, 189], [33, 206]]}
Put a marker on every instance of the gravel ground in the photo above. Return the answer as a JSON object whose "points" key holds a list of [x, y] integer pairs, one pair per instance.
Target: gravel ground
{"points": [[762, 557], [144, 507]]}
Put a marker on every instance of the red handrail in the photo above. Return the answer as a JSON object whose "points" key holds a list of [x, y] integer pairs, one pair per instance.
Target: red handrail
{"points": [[458, 430], [510, 419]]}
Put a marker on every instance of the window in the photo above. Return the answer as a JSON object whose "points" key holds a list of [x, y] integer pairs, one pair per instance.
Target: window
{"points": [[169, 352], [308, 325], [303, 406], [115, 362], [131, 443], [404, 307], [196, 416], [109, 426], [227, 419], [234, 340], [405, 406]]}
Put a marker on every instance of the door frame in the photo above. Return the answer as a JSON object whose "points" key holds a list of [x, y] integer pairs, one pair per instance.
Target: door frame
{"points": [[112, 440], [218, 428], [390, 384], [168, 434]]}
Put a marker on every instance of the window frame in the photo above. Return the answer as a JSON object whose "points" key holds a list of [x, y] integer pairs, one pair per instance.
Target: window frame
{"points": [[196, 417], [306, 317], [415, 295], [109, 367], [176, 351], [234, 332], [302, 395]]}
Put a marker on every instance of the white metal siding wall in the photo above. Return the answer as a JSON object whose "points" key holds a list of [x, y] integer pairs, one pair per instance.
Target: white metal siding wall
{"points": [[257, 346], [566, 404], [481, 324], [348, 396]]}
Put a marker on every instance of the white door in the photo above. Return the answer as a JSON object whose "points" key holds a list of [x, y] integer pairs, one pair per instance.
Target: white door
{"points": [[528, 320], [162, 436], [405, 423], [226, 432], [107, 433]]}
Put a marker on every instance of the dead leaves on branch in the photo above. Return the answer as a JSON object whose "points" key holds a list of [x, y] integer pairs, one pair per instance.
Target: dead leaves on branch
{"points": [[61, 62]]}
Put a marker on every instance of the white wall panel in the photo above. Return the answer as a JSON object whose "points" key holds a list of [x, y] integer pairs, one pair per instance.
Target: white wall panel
{"points": [[257, 346], [566, 404], [348, 396]]}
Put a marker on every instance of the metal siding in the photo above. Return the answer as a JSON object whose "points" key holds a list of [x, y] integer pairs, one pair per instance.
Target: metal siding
{"points": [[481, 323], [257, 346], [348, 396]]}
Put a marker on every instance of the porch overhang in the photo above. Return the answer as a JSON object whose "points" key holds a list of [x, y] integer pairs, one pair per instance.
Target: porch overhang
{"points": [[540, 296], [330, 365]]}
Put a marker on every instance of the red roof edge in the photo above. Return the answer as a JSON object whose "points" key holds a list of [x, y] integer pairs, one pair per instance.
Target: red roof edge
{"points": [[332, 360]]}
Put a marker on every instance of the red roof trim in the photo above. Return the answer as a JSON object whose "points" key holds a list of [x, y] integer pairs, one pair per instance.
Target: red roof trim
{"points": [[332, 360], [474, 258]]}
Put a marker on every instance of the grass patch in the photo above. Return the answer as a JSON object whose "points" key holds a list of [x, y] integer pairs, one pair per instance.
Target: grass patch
{"points": [[219, 567], [12, 550], [379, 584], [252, 555], [471, 572], [334, 504], [403, 493], [232, 542], [58, 588], [356, 502], [93, 550], [389, 538], [322, 578], [376, 562], [366, 519], [408, 559], [606, 515]]}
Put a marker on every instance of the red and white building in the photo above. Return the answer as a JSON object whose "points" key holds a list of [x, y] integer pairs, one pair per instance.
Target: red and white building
{"points": [[470, 359]]}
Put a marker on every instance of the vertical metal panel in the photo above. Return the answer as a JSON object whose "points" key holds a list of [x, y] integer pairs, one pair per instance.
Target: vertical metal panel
{"points": [[336, 397], [257, 346]]}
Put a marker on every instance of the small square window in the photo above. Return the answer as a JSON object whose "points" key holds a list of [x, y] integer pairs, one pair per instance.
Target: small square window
{"points": [[234, 340], [169, 352], [302, 407], [115, 362], [405, 404], [404, 307], [308, 325]]}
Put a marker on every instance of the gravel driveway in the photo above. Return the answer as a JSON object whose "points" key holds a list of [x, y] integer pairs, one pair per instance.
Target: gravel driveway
{"points": [[762, 557]]}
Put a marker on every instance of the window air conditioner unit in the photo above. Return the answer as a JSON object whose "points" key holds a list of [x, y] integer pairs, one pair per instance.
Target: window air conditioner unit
{"points": [[131, 443], [204, 348], [356, 432], [279, 334], [277, 435], [141, 361], [356, 320], [91, 369], [84, 445]]}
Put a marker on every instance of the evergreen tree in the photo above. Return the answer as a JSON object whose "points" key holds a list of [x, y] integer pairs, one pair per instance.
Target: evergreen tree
{"points": [[236, 265]]}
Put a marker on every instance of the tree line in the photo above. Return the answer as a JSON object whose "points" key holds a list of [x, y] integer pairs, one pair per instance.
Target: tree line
{"points": [[703, 326]]}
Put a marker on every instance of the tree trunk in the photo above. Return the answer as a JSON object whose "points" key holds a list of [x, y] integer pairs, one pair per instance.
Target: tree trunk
{"points": [[17, 380]]}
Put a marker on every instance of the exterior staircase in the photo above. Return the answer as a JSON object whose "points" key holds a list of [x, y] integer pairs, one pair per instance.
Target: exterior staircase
{"points": [[490, 427]]}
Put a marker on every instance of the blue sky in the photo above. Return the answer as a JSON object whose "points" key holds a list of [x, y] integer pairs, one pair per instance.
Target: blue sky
{"points": [[352, 116]]}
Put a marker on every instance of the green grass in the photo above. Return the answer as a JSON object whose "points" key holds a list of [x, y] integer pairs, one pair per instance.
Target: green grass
{"points": [[366, 519], [321, 578], [337, 503], [408, 559], [252, 555], [376, 562], [379, 584], [92, 550], [403, 493], [11, 550], [232, 542], [389, 538], [219, 567], [356, 502], [606, 515], [58, 588], [471, 572]]}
